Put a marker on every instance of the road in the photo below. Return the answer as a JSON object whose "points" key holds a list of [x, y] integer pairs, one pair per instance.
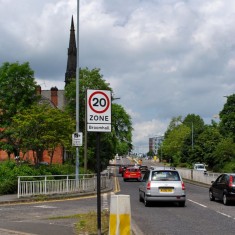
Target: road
{"points": [[199, 216], [40, 218]]}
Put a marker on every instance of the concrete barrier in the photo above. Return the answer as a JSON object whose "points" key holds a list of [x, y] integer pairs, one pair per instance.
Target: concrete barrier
{"points": [[120, 215]]}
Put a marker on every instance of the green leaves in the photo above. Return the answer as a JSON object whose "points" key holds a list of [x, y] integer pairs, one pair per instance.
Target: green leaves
{"points": [[17, 90]]}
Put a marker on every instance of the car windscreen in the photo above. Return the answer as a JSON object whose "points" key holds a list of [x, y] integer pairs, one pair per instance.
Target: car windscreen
{"points": [[165, 176]]}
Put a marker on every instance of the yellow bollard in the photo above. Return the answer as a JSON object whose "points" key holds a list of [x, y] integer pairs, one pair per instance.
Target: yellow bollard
{"points": [[120, 215]]}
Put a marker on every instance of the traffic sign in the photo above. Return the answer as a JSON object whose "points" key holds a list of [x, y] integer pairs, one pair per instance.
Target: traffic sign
{"points": [[77, 139], [98, 111]]}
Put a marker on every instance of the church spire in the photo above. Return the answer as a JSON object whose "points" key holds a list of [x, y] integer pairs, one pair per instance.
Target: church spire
{"points": [[72, 56]]}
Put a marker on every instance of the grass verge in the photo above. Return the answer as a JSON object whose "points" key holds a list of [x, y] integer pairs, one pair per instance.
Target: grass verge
{"points": [[87, 223]]}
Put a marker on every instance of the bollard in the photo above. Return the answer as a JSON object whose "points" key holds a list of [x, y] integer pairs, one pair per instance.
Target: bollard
{"points": [[120, 215]]}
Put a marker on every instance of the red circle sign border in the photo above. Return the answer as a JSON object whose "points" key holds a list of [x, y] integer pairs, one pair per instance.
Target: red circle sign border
{"points": [[107, 98]]}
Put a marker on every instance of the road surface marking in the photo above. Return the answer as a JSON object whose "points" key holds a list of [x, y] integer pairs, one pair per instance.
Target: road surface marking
{"points": [[224, 214], [197, 203]]}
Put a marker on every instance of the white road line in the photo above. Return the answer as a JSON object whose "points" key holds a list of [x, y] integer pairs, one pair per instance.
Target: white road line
{"points": [[46, 207], [105, 204], [221, 213], [197, 203], [224, 214]]}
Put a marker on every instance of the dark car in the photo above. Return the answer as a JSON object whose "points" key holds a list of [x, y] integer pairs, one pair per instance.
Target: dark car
{"points": [[122, 169], [223, 188], [143, 168]]}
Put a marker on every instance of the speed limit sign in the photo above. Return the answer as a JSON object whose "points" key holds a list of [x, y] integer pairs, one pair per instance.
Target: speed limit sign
{"points": [[98, 111]]}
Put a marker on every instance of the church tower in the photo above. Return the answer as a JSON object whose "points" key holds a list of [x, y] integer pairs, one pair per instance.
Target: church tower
{"points": [[72, 56]]}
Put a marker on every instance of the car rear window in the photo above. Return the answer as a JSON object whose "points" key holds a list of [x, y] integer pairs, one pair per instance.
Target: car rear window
{"points": [[165, 176], [133, 169]]}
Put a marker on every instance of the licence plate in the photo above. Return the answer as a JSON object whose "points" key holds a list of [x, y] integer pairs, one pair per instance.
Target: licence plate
{"points": [[166, 190]]}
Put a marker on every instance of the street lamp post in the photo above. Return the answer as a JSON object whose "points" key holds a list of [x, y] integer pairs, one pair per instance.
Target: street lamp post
{"points": [[77, 95]]}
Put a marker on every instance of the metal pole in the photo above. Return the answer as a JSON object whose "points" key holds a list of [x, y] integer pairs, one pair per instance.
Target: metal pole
{"points": [[77, 95], [192, 136], [85, 137], [98, 184]]}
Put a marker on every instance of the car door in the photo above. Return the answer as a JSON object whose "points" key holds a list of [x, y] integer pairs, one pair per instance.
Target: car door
{"points": [[144, 181], [218, 186]]}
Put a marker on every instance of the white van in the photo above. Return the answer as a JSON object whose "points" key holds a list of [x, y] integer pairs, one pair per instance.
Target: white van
{"points": [[200, 167]]}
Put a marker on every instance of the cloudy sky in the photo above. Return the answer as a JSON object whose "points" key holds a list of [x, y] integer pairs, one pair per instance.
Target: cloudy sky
{"points": [[163, 58]]}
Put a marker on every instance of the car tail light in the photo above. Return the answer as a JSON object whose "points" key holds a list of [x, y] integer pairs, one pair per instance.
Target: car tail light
{"points": [[230, 181], [183, 186], [148, 185]]}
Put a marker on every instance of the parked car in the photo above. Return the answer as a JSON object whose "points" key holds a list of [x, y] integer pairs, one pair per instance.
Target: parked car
{"points": [[132, 173], [223, 188], [162, 184]]}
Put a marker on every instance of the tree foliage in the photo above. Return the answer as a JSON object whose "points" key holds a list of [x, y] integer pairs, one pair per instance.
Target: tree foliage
{"points": [[40, 128], [227, 116], [17, 90]]}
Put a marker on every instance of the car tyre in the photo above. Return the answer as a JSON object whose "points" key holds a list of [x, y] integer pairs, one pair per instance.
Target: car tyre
{"points": [[146, 202], [124, 180], [182, 204], [211, 196], [140, 198], [225, 199]]}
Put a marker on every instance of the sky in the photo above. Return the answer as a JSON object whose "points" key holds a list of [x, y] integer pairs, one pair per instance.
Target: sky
{"points": [[162, 58]]}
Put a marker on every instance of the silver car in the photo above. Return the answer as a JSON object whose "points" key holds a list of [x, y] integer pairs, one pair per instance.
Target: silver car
{"points": [[162, 184]]}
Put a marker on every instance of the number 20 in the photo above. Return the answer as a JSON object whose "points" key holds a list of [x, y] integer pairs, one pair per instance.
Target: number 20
{"points": [[99, 102]]}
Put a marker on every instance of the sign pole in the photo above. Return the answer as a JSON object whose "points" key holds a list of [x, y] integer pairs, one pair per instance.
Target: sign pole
{"points": [[98, 120], [98, 184]]}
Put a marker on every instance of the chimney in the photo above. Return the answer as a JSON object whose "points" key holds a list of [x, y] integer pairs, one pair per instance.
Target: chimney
{"points": [[54, 96], [38, 90]]}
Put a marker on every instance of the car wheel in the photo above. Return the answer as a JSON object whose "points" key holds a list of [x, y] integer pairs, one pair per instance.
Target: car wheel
{"points": [[146, 203], [140, 198], [182, 204], [124, 180], [212, 198], [225, 199]]}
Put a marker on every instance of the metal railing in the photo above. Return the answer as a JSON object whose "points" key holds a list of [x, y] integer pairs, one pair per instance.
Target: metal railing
{"points": [[59, 184]]}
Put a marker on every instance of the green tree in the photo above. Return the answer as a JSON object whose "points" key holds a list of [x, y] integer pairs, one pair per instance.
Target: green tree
{"points": [[122, 129], [17, 90], [207, 143], [227, 117], [224, 153], [40, 128], [196, 125], [173, 144]]}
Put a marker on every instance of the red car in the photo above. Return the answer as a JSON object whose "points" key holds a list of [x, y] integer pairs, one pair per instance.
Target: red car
{"points": [[132, 173]]}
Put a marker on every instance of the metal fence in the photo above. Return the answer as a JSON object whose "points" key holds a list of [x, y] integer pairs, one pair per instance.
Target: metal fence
{"points": [[59, 184]]}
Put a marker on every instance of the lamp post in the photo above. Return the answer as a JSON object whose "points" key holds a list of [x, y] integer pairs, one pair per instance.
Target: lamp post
{"points": [[77, 95], [192, 137]]}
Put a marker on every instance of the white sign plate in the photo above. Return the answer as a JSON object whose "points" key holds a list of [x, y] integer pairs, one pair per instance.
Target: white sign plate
{"points": [[98, 111], [77, 139]]}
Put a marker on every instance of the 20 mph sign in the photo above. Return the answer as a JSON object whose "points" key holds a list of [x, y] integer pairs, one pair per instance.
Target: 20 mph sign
{"points": [[98, 111]]}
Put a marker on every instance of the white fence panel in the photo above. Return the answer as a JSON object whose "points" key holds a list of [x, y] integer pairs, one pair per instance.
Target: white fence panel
{"points": [[58, 184]]}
